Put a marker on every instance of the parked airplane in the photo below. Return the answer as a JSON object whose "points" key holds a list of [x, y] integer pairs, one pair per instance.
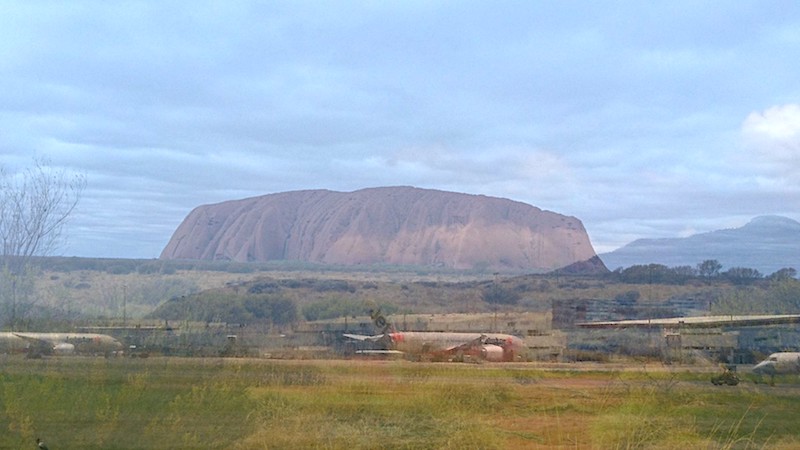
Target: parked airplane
{"points": [[778, 364], [442, 346], [699, 322], [58, 343]]}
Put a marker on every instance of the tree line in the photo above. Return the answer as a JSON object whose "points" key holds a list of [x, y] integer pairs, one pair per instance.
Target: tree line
{"points": [[710, 269]]}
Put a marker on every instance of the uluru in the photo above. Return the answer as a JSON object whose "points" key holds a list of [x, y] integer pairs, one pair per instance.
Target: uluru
{"points": [[385, 225]]}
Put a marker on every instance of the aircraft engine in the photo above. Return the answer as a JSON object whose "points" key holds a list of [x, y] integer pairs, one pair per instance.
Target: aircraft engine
{"points": [[64, 349], [491, 352]]}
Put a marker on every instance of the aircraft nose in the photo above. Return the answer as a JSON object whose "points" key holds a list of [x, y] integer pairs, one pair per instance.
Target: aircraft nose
{"points": [[762, 367]]}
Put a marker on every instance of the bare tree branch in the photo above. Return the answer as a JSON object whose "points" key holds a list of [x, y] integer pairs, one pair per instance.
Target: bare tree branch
{"points": [[35, 205]]}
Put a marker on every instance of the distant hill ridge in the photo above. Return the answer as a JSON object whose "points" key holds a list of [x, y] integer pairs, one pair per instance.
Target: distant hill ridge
{"points": [[388, 225], [766, 243]]}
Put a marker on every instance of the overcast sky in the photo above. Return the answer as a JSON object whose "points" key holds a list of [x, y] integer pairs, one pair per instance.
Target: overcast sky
{"points": [[642, 119]]}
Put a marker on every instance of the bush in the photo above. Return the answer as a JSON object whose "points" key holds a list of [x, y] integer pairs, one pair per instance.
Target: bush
{"points": [[498, 295]]}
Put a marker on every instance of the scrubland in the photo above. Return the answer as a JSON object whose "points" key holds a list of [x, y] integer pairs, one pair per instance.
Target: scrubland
{"points": [[160, 403]]}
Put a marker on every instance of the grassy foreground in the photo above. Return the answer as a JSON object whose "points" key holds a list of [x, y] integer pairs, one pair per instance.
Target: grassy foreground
{"points": [[170, 403]]}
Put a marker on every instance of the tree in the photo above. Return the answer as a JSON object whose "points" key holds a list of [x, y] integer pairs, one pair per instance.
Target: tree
{"points": [[647, 274], [709, 268], [35, 205], [784, 295], [742, 275], [498, 295], [786, 273], [684, 273]]}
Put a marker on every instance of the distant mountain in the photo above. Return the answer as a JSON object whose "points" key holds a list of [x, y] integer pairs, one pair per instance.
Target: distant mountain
{"points": [[767, 244], [390, 225]]}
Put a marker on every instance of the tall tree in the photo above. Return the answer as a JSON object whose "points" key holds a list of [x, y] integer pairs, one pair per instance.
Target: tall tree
{"points": [[709, 268], [35, 205]]}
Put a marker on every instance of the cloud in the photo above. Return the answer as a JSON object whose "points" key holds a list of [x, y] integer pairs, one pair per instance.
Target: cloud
{"points": [[624, 117], [779, 123], [773, 137]]}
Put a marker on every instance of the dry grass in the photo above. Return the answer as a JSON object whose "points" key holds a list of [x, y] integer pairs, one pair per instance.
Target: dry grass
{"points": [[256, 404]]}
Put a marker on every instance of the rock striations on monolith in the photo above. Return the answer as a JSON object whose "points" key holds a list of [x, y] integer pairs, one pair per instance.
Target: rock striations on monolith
{"points": [[389, 225]]}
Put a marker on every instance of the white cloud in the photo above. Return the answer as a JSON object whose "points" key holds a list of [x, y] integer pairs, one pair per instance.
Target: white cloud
{"points": [[778, 122], [774, 137]]}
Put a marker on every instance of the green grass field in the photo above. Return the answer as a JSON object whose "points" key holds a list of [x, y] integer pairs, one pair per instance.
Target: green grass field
{"points": [[172, 403]]}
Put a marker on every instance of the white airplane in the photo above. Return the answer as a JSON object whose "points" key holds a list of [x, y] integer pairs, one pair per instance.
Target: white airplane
{"points": [[778, 364], [35, 344], [699, 321], [442, 346]]}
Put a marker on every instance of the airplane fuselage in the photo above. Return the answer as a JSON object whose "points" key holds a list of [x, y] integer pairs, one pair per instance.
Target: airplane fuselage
{"points": [[451, 345], [59, 343], [779, 363], [441, 345]]}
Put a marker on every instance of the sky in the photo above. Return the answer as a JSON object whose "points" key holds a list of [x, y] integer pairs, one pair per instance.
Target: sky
{"points": [[641, 119]]}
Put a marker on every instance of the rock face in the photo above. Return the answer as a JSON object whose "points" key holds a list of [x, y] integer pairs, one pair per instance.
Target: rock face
{"points": [[392, 225]]}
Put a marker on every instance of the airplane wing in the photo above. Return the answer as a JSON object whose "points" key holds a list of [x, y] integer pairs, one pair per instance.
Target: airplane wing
{"points": [[35, 340], [379, 352], [363, 338], [39, 344], [379, 339], [474, 343]]}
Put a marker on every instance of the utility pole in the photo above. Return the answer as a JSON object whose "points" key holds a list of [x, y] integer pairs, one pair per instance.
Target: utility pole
{"points": [[124, 305]]}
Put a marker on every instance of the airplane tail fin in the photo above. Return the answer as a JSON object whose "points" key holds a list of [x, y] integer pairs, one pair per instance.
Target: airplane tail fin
{"points": [[380, 321]]}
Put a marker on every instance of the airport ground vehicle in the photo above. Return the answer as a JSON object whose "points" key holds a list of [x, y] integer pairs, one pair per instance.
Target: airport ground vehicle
{"points": [[728, 376]]}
